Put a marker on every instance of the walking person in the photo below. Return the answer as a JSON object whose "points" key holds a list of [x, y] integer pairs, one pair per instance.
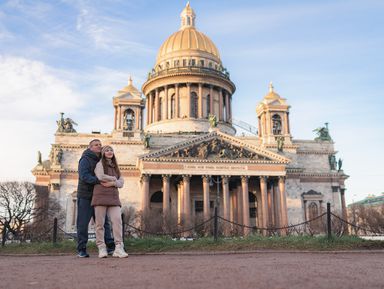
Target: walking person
{"points": [[106, 201], [85, 211]]}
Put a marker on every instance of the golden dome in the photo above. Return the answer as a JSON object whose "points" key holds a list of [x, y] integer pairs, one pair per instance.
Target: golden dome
{"points": [[272, 94], [188, 41]]}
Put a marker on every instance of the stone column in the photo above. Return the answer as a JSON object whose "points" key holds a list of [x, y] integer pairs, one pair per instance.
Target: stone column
{"points": [[187, 201], [264, 202], [206, 208], [227, 113], [230, 108], [239, 200], [344, 209], [189, 100], [166, 195], [225, 180], [211, 100], [180, 203], [137, 118], [177, 100], [220, 104], [271, 211], [244, 187], [147, 107], [115, 118], [283, 198], [200, 111], [145, 193], [157, 103], [277, 208], [166, 102], [150, 108], [119, 117]]}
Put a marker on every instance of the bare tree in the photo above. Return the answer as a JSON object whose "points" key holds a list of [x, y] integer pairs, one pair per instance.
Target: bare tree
{"points": [[17, 204], [368, 217]]}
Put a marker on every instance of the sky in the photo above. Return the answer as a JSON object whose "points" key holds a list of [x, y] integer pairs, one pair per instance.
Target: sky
{"points": [[325, 57]]}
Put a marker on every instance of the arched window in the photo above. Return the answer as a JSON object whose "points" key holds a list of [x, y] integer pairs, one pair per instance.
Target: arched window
{"points": [[194, 104], [208, 105], [129, 119], [161, 108], [173, 106], [313, 211], [157, 197], [276, 124]]}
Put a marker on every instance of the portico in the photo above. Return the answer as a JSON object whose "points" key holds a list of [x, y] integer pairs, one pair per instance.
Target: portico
{"points": [[251, 179]]}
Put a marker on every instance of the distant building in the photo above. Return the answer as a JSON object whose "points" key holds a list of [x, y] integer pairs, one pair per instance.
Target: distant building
{"points": [[189, 141]]}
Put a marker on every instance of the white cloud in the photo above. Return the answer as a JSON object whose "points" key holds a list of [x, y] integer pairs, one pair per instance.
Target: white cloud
{"points": [[31, 90]]}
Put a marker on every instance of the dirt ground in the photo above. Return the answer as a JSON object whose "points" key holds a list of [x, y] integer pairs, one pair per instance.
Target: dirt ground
{"points": [[182, 271]]}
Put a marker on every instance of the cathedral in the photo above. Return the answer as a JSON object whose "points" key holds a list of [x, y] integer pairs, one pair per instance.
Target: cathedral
{"points": [[176, 143]]}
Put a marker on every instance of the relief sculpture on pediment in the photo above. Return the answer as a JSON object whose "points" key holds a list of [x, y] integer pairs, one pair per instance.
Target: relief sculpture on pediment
{"points": [[216, 149]]}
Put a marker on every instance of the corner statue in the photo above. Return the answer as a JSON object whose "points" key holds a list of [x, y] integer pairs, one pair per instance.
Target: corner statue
{"points": [[65, 125], [212, 120], [323, 133]]}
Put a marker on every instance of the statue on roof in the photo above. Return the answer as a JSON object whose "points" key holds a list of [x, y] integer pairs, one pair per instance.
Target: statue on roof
{"points": [[147, 137], [280, 143], [339, 164], [39, 159], [212, 120], [65, 125], [323, 133]]}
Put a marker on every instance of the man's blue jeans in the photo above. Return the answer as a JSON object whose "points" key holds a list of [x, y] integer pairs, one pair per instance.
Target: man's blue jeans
{"points": [[84, 214]]}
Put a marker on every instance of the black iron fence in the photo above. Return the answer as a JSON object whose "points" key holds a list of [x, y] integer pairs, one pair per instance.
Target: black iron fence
{"points": [[328, 223]]}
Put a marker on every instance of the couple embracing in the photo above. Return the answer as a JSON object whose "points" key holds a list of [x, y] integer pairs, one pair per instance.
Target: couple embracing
{"points": [[98, 198]]}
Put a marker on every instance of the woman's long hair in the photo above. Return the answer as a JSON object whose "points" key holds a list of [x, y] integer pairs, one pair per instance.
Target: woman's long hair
{"points": [[113, 160]]}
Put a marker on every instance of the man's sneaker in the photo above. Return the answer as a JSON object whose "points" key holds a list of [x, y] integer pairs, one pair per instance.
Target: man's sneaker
{"points": [[103, 252], [119, 252], [82, 254]]}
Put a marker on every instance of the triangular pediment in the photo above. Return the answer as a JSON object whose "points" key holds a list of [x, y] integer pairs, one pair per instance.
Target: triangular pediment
{"points": [[216, 146]]}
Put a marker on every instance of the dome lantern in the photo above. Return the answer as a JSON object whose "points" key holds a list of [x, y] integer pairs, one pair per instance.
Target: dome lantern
{"points": [[187, 17]]}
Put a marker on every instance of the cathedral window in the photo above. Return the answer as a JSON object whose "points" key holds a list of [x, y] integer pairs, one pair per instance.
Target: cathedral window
{"points": [[173, 106], [202, 63], [276, 124], [208, 105], [184, 62], [194, 104], [210, 64], [161, 108], [313, 211], [193, 62], [176, 63]]}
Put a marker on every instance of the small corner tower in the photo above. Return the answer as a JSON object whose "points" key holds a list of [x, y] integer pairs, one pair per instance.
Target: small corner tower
{"points": [[273, 117], [129, 106]]}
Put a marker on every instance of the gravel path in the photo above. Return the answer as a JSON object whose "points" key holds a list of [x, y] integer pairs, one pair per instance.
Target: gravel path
{"points": [[250, 270]]}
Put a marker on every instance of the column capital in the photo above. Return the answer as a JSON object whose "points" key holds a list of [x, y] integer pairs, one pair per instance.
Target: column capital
{"points": [[225, 179], [206, 178], [244, 179], [166, 177], [186, 178], [282, 179], [145, 178]]}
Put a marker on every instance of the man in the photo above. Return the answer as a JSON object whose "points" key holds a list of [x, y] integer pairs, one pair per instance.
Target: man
{"points": [[85, 211]]}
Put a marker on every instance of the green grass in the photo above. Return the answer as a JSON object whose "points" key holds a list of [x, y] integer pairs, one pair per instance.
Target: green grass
{"points": [[255, 242]]}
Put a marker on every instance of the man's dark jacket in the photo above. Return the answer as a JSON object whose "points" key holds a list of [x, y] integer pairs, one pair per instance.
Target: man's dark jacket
{"points": [[87, 178]]}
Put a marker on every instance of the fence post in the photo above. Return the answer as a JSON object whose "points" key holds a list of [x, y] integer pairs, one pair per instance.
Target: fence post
{"points": [[4, 235], [215, 226], [54, 239], [329, 229], [122, 225]]}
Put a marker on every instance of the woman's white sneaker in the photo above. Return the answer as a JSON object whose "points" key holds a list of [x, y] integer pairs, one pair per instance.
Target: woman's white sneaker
{"points": [[119, 252]]}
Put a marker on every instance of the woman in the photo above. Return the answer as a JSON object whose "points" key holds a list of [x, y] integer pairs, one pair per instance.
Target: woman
{"points": [[106, 201]]}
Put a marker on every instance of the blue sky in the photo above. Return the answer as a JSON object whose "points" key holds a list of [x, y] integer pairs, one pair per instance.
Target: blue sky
{"points": [[325, 57]]}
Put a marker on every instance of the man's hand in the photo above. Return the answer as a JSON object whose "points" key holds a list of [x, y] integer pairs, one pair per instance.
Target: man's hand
{"points": [[108, 184]]}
